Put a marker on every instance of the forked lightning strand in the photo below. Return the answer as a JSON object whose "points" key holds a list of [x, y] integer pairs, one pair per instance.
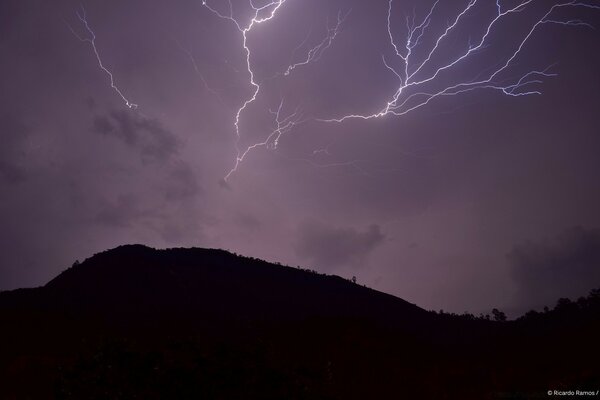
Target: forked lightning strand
{"points": [[420, 80], [91, 39], [261, 15], [282, 126], [315, 53], [411, 75]]}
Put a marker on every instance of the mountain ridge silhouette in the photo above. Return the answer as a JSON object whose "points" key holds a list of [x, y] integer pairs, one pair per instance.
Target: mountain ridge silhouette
{"points": [[196, 276], [136, 322]]}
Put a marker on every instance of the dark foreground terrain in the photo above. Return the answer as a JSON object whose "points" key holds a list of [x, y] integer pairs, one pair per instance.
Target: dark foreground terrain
{"points": [[134, 322]]}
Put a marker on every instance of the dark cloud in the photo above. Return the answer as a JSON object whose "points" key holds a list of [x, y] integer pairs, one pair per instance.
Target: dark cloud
{"points": [[122, 212], [148, 135], [12, 154], [182, 182], [176, 192], [90, 102], [248, 222], [130, 212], [327, 246], [11, 173], [566, 266]]}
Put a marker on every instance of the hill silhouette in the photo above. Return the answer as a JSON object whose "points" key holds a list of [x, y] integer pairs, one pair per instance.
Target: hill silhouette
{"points": [[135, 322]]}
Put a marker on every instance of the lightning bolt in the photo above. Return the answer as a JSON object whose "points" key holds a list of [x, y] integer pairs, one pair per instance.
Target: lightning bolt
{"points": [[419, 80], [269, 10], [315, 53], [91, 39], [283, 125], [410, 76]]}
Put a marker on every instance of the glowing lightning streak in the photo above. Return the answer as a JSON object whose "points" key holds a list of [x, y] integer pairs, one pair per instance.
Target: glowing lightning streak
{"points": [[407, 78], [314, 54], [92, 41], [270, 9], [282, 126]]}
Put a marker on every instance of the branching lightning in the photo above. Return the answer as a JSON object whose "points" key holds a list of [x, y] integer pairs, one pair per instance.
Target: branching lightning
{"points": [[90, 38], [410, 76], [420, 80], [258, 18], [415, 62], [283, 125], [315, 53]]}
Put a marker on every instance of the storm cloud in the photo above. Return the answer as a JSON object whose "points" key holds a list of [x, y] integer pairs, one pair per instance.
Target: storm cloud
{"points": [[565, 266], [147, 135], [12, 152], [327, 246]]}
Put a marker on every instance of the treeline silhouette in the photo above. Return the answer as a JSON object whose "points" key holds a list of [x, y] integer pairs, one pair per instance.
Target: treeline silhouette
{"points": [[134, 322], [565, 308]]}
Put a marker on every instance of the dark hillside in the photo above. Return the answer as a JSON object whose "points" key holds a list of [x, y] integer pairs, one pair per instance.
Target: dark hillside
{"points": [[216, 284], [134, 322]]}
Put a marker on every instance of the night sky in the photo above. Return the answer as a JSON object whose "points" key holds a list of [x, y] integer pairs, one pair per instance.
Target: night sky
{"points": [[474, 200]]}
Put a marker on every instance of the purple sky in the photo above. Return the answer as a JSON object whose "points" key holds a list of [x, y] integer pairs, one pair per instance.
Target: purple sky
{"points": [[470, 202]]}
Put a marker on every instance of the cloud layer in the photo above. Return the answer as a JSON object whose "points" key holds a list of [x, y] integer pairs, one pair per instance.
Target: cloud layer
{"points": [[565, 266], [327, 247]]}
